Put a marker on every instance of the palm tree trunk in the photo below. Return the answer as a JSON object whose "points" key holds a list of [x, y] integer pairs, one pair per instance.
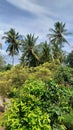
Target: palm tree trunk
{"points": [[13, 60], [13, 56]]}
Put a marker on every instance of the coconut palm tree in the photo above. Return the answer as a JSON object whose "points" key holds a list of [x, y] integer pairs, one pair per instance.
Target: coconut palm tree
{"points": [[57, 35], [12, 39], [29, 53], [57, 39]]}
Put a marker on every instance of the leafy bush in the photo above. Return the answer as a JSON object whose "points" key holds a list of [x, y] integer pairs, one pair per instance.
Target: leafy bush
{"points": [[64, 75], [24, 112], [69, 60], [68, 120], [22, 117], [38, 105], [16, 76]]}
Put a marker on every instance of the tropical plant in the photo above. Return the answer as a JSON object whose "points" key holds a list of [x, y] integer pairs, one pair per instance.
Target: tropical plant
{"points": [[64, 75], [12, 40], [57, 53], [57, 35], [24, 112], [29, 53], [69, 60], [39, 105], [68, 120], [57, 39], [7, 67], [45, 56], [2, 62]]}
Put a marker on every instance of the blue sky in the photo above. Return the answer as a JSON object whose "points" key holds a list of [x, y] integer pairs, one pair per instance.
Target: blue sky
{"points": [[35, 16]]}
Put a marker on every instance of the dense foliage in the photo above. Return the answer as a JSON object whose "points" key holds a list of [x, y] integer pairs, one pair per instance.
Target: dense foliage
{"points": [[69, 59], [40, 88], [39, 105]]}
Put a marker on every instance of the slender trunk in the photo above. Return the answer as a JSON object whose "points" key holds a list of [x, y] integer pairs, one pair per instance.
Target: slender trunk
{"points": [[13, 60], [13, 57]]}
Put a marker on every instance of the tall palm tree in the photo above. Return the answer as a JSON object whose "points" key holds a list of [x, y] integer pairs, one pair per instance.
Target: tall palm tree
{"points": [[12, 39], [57, 39], [29, 53], [57, 35]]}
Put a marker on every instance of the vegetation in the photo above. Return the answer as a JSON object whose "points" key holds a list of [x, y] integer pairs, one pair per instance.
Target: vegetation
{"points": [[39, 105], [12, 39], [69, 59], [29, 53], [2, 62], [45, 54], [40, 87]]}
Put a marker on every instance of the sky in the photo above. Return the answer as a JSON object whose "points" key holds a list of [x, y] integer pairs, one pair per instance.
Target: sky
{"points": [[36, 17]]}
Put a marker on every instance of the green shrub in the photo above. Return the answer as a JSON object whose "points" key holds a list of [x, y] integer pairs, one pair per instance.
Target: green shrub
{"points": [[64, 75], [68, 120], [25, 112], [39, 105]]}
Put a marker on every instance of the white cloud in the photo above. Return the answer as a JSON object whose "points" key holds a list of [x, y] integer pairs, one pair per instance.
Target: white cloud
{"points": [[56, 8], [62, 3], [28, 5], [47, 11]]}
